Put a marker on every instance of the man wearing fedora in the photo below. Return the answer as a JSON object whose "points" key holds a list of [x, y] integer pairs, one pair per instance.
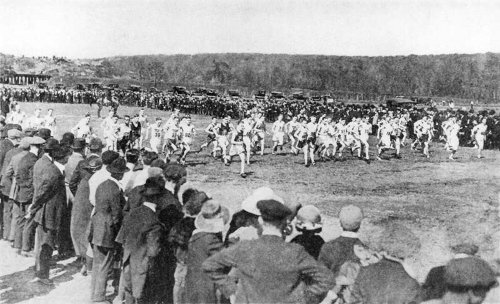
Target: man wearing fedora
{"points": [[24, 180], [7, 144], [105, 224], [140, 237], [49, 201]]}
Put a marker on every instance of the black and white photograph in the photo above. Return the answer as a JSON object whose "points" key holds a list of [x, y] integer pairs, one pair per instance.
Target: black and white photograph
{"points": [[249, 151]]}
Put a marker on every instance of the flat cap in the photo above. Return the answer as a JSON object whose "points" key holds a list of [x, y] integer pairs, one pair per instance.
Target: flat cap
{"points": [[271, 210], [36, 140], [469, 272], [25, 143], [154, 172], [399, 241], [350, 217]]}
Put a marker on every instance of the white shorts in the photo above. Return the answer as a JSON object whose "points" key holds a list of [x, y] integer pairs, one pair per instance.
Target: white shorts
{"points": [[279, 137], [187, 140], [236, 150], [222, 141], [480, 141], [385, 141], [453, 142]]}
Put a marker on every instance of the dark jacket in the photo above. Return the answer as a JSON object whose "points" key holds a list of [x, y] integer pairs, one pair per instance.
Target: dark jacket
{"points": [[5, 145], [385, 282], [49, 194], [434, 286], [107, 220], [270, 271], [338, 251], [140, 238], [6, 181], [24, 178], [311, 242], [199, 287]]}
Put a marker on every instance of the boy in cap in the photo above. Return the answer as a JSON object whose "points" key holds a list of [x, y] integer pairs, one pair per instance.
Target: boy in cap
{"points": [[95, 149], [336, 252], [309, 225], [270, 270], [467, 280]]}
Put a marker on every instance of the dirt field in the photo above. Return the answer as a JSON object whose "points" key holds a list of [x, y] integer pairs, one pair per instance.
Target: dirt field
{"points": [[442, 201]]}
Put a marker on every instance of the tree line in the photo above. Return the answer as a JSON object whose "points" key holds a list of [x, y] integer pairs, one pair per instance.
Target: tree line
{"points": [[468, 76]]}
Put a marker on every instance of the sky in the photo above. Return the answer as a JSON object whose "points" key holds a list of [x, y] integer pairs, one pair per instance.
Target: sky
{"points": [[102, 28]]}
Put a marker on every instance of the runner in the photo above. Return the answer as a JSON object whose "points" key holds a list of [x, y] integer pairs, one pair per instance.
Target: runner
{"points": [[364, 129], [211, 131], [17, 117], [478, 134], [171, 131], [453, 130], [384, 136], [36, 121], [223, 130], [156, 136], [291, 130], [83, 129], [50, 121], [187, 134], [259, 132], [278, 134], [237, 146]]}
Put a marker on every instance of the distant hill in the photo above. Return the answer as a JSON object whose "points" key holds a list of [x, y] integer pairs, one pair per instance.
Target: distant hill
{"points": [[471, 76]]}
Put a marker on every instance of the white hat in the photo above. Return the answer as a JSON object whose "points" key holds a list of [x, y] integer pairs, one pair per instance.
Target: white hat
{"points": [[259, 194]]}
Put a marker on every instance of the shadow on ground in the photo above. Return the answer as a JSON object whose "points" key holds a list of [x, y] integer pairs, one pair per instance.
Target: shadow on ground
{"points": [[18, 287]]}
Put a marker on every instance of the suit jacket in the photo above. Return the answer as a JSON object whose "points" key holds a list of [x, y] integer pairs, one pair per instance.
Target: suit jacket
{"points": [[11, 172], [5, 145], [6, 181], [434, 286], [107, 220], [270, 271], [140, 237], [338, 251], [385, 282], [49, 194], [24, 178]]}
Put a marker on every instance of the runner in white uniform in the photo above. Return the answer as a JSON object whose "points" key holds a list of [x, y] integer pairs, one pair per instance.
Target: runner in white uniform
{"points": [[237, 146], [223, 131], [187, 134], [341, 135], [143, 120], [453, 133], [17, 117], [384, 135], [424, 129], [171, 131], [50, 121], [248, 125], [36, 121], [278, 134], [364, 129], [291, 130], [83, 129], [479, 135], [311, 129], [259, 132]]}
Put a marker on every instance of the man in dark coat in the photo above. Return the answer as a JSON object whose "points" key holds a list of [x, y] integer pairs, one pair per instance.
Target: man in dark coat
{"points": [[105, 224], [49, 199], [340, 250], [7, 144], [140, 238], [270, 270], [23, 176], [388, 281]]}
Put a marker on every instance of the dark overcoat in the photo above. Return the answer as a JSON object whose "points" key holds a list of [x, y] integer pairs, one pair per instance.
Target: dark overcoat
{"points": [[140, 237], [49, 194], [385, 282], [24, 178], [199, 287], [108, 217]]}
